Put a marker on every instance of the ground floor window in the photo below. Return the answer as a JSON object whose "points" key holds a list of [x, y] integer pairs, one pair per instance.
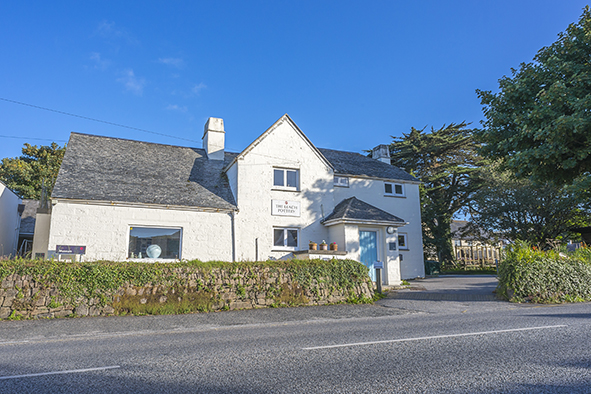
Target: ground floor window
{"points": [[285, 238], [402, 241], [154, 243]]}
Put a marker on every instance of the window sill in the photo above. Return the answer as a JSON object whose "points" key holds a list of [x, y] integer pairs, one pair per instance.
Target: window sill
{"points": [[395, 195], [285, 189]]}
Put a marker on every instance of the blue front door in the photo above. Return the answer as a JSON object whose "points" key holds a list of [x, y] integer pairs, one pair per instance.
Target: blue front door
{"points": [[368, 250]]}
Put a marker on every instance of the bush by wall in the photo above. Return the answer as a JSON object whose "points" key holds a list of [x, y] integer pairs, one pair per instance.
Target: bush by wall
{"points": [[37, 288], [530, 275]]}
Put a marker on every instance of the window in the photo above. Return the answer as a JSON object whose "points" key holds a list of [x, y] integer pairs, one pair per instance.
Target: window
{"points": [[286, 178], [402, 242], [393, 189], [285, 238], [341, 181], [154, 243]]}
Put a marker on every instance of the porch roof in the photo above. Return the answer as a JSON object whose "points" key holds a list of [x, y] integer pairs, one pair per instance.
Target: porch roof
{"points": [[353, 210]]}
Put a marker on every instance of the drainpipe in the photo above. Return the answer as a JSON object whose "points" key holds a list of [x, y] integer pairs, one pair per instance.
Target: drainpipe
{"points": [[232, 219]]}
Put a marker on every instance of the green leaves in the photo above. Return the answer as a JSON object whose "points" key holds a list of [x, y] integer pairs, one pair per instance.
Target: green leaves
{"points": [[539, 123], [447, 163], [37, 165]]}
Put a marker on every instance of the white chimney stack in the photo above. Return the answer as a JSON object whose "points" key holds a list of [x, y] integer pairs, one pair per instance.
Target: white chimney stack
{"points": [[381, 153], [214, 138]]}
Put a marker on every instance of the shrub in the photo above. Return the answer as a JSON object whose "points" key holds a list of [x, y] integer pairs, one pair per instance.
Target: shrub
{"points": [[552, 276]]}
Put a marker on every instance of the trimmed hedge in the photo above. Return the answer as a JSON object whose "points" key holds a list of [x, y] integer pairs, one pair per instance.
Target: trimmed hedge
{"points": [[554, 276]]}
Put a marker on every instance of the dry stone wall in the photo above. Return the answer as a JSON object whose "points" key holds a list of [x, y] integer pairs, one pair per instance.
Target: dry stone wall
{"points": [[218, 289]]}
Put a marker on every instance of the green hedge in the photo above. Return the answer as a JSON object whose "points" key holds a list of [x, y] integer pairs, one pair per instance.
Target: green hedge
{"points": [[530, 275], [102, 278]]}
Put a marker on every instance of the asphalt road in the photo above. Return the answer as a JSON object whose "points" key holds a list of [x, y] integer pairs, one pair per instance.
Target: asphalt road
{"points": [[415, 341]]}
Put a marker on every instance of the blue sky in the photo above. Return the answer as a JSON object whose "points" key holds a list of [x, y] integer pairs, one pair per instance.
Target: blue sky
{"points": [[350, 73]]}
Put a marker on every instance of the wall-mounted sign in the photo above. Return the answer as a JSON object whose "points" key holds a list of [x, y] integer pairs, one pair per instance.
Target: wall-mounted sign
{"points": [[285, 208], [378, 265], [70, 249]]}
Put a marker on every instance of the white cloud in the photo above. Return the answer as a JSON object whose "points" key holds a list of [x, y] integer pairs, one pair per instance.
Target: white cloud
{"points": [[100, 63], [108, 30], [174, 107], [172, 61], [132, 83], [198, 88]]}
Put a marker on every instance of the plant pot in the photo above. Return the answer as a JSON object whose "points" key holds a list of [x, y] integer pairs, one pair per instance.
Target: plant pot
{"points": [[313, 246], [334, 247], [323, 247]]}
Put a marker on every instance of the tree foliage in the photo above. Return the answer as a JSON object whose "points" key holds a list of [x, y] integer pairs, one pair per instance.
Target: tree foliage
{"points": [[522, 210], [539, 123], [37, 166], [447, 163]]}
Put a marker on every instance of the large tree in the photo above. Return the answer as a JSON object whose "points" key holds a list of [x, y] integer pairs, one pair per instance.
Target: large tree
{"points": [[447, 163], [36, 167], [539, 123], [520, 209]]}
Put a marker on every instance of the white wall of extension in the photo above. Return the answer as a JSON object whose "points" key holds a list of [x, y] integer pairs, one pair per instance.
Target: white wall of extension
{"points": [[104, 229], [408, 208]]}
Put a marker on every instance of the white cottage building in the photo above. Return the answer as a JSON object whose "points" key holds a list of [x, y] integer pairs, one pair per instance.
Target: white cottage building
{"points": [[123, 199]]}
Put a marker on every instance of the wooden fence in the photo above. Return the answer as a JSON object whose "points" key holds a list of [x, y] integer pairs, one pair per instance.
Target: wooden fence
{"points": [[480, 256]]}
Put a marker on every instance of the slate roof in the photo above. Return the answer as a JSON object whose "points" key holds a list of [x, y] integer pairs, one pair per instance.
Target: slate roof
{"points": [[350, 163], [112, 169], [355, 209], [29, 216]]}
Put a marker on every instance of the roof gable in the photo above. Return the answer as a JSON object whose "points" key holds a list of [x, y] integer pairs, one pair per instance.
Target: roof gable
{"points": [[284, 119]]}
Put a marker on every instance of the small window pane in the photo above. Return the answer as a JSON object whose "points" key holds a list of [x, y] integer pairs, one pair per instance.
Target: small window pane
{"points": [[402, 241], [278, 177], [292, 238], [398, 189], [388, 188], [278, 237], [292, 179], [155, 243]]}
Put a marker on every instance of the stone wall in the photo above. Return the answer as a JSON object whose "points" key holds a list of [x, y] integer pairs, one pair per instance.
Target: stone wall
{"points": [[218, 289]]}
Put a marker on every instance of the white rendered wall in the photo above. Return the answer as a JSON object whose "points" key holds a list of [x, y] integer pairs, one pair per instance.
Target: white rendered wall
{"points": [[9, 221], [104, 230], [408, 208], [282, 147]]}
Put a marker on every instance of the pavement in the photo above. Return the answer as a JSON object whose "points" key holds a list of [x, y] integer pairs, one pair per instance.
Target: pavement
{"points": [[447, 294], [450, 288]]}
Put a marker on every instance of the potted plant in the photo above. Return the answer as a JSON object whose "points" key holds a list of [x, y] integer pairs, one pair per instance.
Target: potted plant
{"points": [[334, 246], [323, 245], [313, 245]]}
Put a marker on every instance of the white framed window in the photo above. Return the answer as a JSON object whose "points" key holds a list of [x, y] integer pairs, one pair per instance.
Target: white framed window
{"points": [[286, 178], [154, 243], [402, 241], [394, 189], [285, 238], [341, 181]]}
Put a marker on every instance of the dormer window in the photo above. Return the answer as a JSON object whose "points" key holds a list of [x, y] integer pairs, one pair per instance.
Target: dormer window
{"points": [[341, 181], [393, 189], [285, 178]]}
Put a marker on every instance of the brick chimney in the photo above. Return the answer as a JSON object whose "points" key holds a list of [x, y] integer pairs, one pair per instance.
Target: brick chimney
{"points": [[381, 153], [214, 138]]}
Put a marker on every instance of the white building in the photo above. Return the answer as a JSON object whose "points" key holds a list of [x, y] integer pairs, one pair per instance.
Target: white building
{"points": [[10, 216], [125, 199]]}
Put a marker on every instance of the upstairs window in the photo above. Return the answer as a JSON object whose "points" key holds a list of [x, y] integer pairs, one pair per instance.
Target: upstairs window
{"points": [[341, 181], [393, 189], [285, 238], [285, 178]]}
